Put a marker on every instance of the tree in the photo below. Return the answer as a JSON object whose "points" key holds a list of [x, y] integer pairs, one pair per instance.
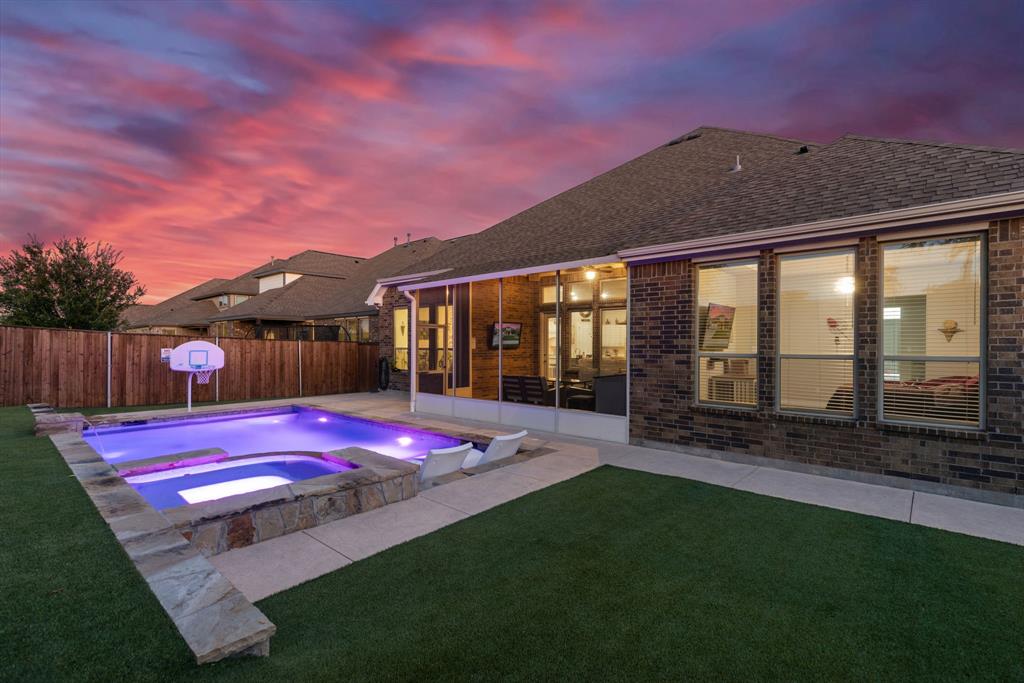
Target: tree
{"points": [[75, 284]]}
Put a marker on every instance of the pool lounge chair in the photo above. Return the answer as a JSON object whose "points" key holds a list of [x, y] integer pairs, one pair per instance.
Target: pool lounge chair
{"points": [[501, 447], [442, 461]]}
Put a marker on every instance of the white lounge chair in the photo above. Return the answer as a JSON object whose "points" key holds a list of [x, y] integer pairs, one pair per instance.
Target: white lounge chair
{"points": [[501, 447], [442, 461]]}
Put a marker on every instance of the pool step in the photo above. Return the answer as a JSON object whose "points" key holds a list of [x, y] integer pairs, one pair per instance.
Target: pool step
{"points": [[213, 617]]}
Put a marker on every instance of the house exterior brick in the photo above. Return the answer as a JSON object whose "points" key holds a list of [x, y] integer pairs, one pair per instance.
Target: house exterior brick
{"points": [[664, 410]]}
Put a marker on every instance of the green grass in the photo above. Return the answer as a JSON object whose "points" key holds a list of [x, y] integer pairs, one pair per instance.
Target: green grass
{"points": [[613, 575]]}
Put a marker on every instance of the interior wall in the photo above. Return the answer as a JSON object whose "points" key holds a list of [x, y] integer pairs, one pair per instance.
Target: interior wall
{"points": [[483, 314], [521, 304]]}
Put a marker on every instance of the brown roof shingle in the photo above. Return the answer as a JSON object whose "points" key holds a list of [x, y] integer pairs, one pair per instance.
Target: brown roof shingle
{"points": [[685, 190], [181, 310], [314, 296]]}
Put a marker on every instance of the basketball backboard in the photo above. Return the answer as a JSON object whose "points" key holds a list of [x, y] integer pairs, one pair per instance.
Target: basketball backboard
{"points": [[197, 355]]}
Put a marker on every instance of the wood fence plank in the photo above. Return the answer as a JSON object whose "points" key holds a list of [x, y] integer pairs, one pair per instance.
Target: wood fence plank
{"points": [[68, 368]]}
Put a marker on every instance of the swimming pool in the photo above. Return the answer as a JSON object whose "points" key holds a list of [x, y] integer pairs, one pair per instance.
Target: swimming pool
{"points": [[289, 429]]}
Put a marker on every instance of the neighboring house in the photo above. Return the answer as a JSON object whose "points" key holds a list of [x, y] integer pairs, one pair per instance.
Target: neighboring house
{"points": [[313, 295], [321, 299], [853, 305], [187, 313], [133, 314]]}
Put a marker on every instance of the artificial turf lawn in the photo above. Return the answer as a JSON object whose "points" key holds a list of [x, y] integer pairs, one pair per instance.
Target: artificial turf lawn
{"points": [[615, 574]]}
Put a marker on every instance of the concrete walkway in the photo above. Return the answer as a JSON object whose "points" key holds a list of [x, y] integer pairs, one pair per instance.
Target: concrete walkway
{"points": [[266, 568]]}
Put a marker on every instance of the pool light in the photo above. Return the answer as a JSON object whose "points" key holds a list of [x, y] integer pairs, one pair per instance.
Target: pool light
{"points": [[404, 441], [321, 419]]}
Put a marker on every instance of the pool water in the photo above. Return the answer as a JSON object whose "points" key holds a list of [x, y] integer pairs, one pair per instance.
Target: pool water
{"points": [[212, 481], [290, 429]]}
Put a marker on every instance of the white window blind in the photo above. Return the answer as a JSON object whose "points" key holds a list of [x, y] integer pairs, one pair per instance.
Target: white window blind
{"points": [[931, 330], [816, 332], [727, 333]]}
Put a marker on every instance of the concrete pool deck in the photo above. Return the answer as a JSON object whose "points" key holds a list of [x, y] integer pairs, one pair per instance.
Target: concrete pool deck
{"points": [[266, 568]]}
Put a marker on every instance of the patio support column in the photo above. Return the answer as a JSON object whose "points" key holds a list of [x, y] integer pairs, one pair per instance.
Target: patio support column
{"points": [[413, 380], [501, 345]]}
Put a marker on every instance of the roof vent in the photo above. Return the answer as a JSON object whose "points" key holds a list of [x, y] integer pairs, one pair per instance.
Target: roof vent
{"points": [[396, 240], [803, 150], [736, 167]]}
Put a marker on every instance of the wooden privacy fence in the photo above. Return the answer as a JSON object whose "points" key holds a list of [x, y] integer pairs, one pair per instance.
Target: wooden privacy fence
{"points": [[84, 369]]}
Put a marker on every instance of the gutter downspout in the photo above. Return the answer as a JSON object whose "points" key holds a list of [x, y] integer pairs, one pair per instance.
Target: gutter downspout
{"points": [[412, 350]]}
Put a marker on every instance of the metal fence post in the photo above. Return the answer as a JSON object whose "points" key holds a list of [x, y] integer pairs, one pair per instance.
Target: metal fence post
{"points": [[109, 339], [300, 367], [216, 375]]}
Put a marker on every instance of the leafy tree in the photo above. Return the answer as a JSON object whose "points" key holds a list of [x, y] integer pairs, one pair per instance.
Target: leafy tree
{"points": [[73, 285]]}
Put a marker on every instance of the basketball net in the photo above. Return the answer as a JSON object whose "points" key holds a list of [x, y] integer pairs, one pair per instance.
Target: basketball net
{"points": [[203, 376]]}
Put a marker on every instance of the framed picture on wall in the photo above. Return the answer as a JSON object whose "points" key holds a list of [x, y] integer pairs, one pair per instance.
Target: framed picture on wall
{"points": [[718, 327]]}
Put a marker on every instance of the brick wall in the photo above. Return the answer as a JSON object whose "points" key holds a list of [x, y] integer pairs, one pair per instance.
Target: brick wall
{"points": [[663, 408], [521, 304], [483, 314], [386, 334]]}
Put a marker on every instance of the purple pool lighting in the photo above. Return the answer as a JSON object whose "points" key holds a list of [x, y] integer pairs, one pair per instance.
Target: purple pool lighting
{"points": [[286, 430], [178, 486]]}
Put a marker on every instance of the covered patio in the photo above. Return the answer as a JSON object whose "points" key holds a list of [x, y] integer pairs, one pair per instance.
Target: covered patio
{"points": [[543, 349]]}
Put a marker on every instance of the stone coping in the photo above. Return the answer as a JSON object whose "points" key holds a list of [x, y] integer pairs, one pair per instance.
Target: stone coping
{"points": [[138, 419], [212, 616], [199, 456], [370, 468]]}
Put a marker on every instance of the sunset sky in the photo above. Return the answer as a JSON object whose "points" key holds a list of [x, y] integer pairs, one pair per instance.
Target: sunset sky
{"points": [[202, 138]]}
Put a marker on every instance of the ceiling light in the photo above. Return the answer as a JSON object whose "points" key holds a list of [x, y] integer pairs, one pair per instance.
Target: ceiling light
{"points": [[845, 285], [590, 274]]}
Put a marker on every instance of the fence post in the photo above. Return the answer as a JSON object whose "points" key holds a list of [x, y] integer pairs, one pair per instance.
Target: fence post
{"points": [[216, 374], [300, 367], [109, 339]]}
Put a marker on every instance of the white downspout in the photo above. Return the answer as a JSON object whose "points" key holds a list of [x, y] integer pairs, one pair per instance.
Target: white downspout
{"points": [[412, 350]]}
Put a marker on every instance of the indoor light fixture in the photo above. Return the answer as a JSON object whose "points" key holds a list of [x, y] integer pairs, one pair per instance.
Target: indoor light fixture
{"points": [[845, 284]]}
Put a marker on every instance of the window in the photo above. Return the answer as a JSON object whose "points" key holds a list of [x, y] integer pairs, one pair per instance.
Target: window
{"points": [[816, 332], [613, 290], [613, 341], [931, 331], [727, 333], [401, 338], [581, 292]]}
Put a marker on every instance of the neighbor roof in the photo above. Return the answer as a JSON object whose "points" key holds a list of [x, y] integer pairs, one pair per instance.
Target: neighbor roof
{"points": [[312, 262], [245, 283], [181, 310], [686, 190], [315, 296], [134, 313]]}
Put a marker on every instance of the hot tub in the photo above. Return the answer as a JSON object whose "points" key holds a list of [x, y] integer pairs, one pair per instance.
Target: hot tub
{"points": [[175, 486]]}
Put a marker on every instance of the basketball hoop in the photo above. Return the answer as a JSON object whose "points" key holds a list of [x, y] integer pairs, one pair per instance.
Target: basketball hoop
{"points": [[200, 359]]}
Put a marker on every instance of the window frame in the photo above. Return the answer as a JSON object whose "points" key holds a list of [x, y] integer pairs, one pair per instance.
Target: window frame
{"points": [[981, 359], [852, 416], [394, 337], [698, 354]]}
